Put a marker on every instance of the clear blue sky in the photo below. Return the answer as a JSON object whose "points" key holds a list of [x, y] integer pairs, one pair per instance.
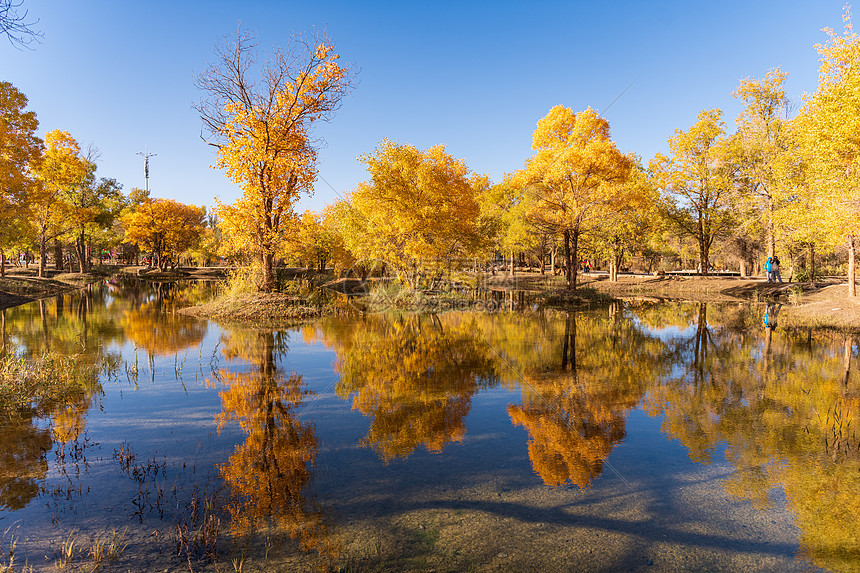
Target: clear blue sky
{"points": [[474, 76]]}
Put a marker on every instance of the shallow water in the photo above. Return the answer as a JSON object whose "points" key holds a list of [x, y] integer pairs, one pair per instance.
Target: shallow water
{"points": [[634, 436]]}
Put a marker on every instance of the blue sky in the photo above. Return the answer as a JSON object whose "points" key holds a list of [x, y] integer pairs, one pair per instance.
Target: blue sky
{"points": [[474, 76]]}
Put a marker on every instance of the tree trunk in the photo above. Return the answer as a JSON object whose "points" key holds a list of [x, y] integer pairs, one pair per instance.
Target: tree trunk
{"points": [[852, 268], [742, 267], [512, 264], [771, 235], [81, 251], [704, 261], [268, 283], [43, 250], [567, 258], [812, 263], [58, 255], [574, 266], [2, 263]]}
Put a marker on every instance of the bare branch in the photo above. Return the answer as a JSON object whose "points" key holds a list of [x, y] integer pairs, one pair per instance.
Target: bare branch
{"points": [[15, 26]]}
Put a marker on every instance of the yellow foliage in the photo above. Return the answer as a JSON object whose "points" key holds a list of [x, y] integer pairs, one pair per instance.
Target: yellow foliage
{"points": [[262, 136], [164, 227], [418, 211]]}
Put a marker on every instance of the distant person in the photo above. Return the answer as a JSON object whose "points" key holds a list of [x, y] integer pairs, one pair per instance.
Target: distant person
{"points": [[768, 265], [774, 269]]}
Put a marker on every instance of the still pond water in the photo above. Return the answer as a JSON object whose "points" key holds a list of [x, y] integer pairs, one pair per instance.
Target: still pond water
{"points": [[636, 436]]}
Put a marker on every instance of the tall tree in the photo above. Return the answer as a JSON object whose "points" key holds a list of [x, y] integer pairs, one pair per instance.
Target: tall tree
{"points": [[828, 127], [696, 182], [262, 133], [569, 179], [418, 211], [19, 149], [62, 172], [760, 140]]}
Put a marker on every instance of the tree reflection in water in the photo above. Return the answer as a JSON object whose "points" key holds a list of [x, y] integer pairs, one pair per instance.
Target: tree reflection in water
{"points": [[785, 406], [414, 376], [575, 406], [268, 474]]}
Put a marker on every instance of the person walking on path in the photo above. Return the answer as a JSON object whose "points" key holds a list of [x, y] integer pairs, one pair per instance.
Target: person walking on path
{"points": [[774, 269], [767, 269]]}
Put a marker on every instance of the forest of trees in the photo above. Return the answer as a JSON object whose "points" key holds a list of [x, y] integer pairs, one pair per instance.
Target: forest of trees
{"points": [[719, 199]]}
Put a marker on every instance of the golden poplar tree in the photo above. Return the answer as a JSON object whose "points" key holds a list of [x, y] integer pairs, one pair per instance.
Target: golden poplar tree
{"points": [[760, 141], [828, 128], [62, 171], [697, 183], [418, 211], [569, 179], [19, 147], [165, 228], [262, 132]]}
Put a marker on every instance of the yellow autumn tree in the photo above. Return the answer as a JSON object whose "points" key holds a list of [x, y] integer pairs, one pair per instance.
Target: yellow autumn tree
{"points": [[164, 227], [19, 148], [62, 171], [761, 139], [568, 181], [418, 212], [263, 134], [696, 181], [828, 127]]}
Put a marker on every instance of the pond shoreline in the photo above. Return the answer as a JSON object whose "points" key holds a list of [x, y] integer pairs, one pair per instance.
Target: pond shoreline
{"points": [[23, 285], [824, 304]]}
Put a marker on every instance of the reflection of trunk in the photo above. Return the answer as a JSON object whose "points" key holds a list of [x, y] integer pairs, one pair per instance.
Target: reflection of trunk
{"points": [[3, 331], [701, 341], [852, 274], [43, 314], [768, 334], [568, 349], [846, 362], [60, 300], [268, 382]]}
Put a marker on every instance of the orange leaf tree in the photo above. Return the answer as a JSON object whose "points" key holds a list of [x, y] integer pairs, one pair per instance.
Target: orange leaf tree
{"points": [[262, 133]]}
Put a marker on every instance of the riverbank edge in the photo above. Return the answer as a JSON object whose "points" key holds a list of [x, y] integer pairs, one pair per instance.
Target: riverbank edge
{"points": [[823, 305]]}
